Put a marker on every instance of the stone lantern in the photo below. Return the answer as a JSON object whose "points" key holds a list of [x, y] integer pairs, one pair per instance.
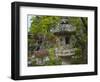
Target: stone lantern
{"points": [[63, 31]]}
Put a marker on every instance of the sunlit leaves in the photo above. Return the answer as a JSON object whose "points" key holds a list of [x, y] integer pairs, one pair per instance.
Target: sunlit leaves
{"points": [[42, 24]]}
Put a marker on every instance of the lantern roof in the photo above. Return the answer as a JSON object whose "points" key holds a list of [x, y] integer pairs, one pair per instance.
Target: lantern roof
{"points": [[63, 26]]}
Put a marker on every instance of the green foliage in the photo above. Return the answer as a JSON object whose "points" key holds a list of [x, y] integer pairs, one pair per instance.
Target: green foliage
{"points": [[81, 31], [80, 38], [76, 59], [43, 24], [52, 57]]}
